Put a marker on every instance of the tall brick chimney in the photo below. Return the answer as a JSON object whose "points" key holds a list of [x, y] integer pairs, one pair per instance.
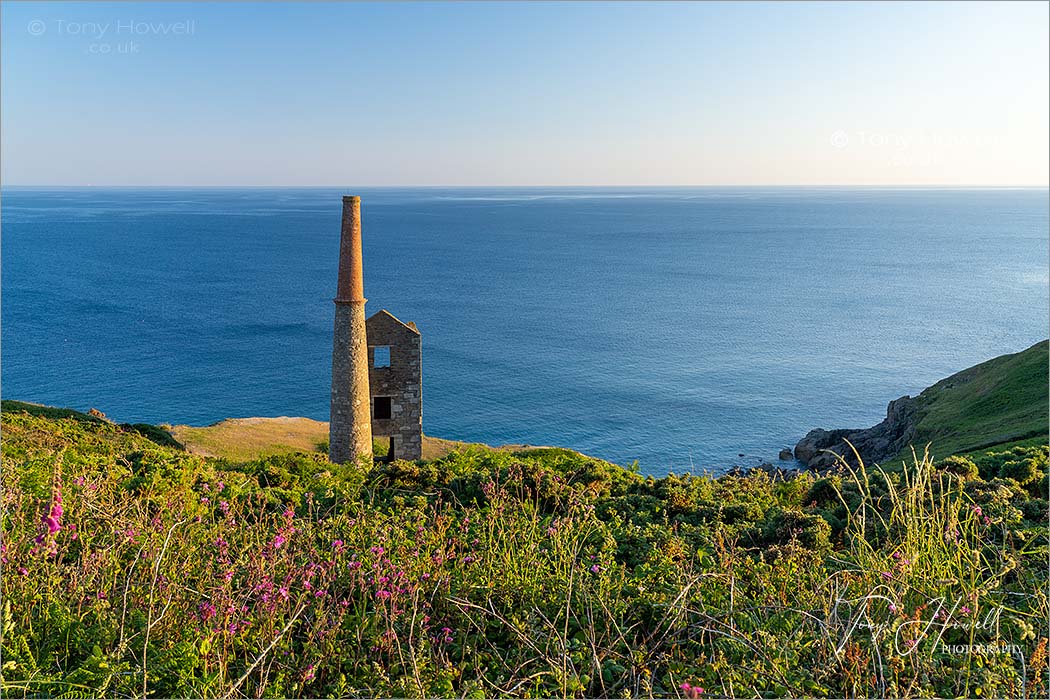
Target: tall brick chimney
{"points": [[350, 426]]}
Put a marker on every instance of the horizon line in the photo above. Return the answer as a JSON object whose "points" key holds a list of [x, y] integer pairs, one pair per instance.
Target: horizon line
{"points": [[1042, 186]]}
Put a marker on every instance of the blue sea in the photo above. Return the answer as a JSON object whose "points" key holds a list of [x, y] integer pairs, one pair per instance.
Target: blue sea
{"points": [[680, 328]]}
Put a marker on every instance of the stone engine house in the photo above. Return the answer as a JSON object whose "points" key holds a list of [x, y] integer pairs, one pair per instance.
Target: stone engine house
{"points": [[377, 378], [395, 382]]}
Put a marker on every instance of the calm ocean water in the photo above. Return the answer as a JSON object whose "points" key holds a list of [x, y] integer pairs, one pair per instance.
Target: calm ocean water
{"points": [[676, 327]]}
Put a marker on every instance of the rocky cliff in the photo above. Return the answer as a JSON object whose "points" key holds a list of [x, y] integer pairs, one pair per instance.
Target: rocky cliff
{"points": [[997, 402], [875, 444]]}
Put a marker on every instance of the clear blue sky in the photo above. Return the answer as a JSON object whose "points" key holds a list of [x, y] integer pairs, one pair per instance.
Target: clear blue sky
{"points": [[516, 94]]}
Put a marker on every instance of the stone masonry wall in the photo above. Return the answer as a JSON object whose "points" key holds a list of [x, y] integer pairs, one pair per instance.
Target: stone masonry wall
{"points": [[401, 381]]}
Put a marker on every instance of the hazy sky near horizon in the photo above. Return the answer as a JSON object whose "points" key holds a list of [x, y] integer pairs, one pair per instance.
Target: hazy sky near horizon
{"points": [[525, 94]]}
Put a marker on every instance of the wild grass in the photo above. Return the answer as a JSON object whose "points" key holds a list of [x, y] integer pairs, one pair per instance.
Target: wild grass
{"points": [[532, 574], [246, 439]]}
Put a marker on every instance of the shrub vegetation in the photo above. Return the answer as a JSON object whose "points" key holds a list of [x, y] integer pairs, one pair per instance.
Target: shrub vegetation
{"points": [[133, 569]]}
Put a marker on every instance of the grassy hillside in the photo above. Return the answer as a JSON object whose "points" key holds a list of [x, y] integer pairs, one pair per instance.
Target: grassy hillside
{"points": [[243, 439], [134, 568], [246, 439], [998, 402]]}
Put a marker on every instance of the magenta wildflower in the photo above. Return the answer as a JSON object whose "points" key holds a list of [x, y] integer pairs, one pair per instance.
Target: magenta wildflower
{"points": [[887, 574], [278, 541], [52, 521], [691, 691], [382, 595], [206, 611]]}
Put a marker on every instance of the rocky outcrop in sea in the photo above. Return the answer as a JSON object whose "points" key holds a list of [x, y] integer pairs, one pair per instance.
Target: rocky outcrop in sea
{"points": [[820, 448]]}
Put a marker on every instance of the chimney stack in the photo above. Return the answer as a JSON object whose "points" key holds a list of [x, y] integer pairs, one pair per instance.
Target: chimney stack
{"points": [[350, 425]]}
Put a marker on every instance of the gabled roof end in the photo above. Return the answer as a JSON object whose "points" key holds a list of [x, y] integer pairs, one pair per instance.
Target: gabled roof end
{"points": [[384, 313]]}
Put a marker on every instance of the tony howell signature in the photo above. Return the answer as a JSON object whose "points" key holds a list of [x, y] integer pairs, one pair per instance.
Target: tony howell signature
{"points": [[880, 615]]}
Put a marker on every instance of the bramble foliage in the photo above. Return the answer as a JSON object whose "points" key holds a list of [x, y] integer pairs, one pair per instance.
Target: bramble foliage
{"points": [[133, 569], [1026, 465], [960, 466]]}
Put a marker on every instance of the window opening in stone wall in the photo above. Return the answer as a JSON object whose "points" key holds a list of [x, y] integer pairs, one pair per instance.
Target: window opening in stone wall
{"points": [[381, 408]]}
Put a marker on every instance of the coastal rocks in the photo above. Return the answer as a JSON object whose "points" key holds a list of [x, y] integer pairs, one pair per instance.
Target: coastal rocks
{"points": [[786, 455], [774, 472], [810, 449], [820, 449]]}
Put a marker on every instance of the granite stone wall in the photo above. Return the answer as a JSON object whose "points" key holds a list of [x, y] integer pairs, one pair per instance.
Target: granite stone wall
{"points": [[401, 383]]}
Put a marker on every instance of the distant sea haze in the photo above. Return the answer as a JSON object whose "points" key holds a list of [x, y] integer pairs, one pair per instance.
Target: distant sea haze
{"points": [[679, 327]]}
